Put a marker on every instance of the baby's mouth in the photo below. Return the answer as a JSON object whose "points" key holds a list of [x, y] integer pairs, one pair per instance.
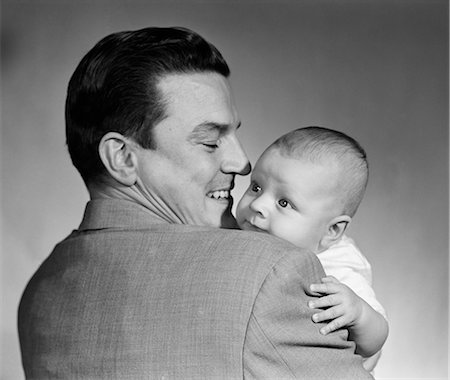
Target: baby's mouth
{"points": [[251, 226]]}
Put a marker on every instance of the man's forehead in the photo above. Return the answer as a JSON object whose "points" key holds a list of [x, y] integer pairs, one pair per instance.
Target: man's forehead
{"points": [[193, 83], [202, 99]]}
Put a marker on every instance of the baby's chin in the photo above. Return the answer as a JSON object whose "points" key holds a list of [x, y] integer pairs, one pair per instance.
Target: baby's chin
{"points": [[239, 222], [241, 225]]}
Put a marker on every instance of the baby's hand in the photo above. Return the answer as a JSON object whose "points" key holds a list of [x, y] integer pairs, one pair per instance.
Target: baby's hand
{"points": [[342, 306]]}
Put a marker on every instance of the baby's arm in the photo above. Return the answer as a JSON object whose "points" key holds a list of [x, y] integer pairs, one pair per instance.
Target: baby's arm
{"points": [[343, 308]]}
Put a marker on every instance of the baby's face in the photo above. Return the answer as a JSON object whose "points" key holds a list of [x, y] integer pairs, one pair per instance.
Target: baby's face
{"points": [[289, 198]]}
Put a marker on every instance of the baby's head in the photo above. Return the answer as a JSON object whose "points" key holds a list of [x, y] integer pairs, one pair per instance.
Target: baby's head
{"points": [[305, 188]]}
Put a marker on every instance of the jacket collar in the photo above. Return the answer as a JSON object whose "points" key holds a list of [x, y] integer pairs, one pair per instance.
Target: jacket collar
{"points": [[115, 213]]}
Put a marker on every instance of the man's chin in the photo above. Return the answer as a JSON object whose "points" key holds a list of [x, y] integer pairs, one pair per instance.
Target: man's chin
{"points": [[227, 219]]}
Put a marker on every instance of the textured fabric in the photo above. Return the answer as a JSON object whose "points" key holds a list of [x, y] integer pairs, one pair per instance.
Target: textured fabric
{"points": [[128, 296]]}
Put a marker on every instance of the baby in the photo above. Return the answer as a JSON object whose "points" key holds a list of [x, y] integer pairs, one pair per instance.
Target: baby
{"points": [[305, 188]]}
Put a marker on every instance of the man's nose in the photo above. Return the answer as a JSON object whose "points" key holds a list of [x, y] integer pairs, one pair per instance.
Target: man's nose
{"points": [[235, 159]]}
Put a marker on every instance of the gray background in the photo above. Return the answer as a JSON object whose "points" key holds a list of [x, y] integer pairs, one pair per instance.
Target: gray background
{"points": [[377, 70]]}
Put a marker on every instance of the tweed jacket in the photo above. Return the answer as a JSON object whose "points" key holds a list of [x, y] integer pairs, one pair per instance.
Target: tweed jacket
{"points": [[129, 296]]}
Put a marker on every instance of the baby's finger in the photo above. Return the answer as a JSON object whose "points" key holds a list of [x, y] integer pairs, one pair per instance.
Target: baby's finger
{"points": [[326, 301], [330, 279], [334, 325], [327, 288], [329, 314]]}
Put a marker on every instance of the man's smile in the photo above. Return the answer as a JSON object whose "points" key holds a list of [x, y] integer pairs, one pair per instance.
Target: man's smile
{"points": [[219, 194]]}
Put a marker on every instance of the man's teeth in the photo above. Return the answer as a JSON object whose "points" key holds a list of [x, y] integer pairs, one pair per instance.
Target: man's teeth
{"points": [[218, 194]]}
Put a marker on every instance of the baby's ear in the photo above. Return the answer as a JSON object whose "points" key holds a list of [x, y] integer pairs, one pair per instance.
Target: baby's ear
{"points": [[335, 229]]}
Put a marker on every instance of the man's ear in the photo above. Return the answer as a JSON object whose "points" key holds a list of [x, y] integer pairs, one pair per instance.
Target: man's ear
{"points": [[119, 158], [335, 229]]}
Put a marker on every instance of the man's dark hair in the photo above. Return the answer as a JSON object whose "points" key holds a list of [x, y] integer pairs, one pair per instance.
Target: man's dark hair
{"points": [[114, 88]]}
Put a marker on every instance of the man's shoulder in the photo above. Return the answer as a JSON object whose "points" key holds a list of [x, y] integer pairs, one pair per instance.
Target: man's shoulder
{"points": [[253, 246], [243, 239], [250, 236], [208, 246]]}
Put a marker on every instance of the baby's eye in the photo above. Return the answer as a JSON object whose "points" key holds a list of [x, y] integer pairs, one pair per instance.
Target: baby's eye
{"points": [[256, 188], [284, 203]]}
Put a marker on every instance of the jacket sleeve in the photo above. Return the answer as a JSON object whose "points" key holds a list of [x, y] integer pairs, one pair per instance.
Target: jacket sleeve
{"points": [[283, 342]]}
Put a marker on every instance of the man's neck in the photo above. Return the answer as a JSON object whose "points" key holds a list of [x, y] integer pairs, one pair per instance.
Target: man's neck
{"points": [[133, 194]]}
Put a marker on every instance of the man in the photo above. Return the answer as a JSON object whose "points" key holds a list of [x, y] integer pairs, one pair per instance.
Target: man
{"points": [[148, 286]]}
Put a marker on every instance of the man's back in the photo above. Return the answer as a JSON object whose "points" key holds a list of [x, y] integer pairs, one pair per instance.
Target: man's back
{"points": [[128, 296]]}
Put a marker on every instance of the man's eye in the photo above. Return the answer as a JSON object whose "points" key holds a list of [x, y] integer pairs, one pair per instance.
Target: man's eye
{"points": [[283, 203], [211, 145]]}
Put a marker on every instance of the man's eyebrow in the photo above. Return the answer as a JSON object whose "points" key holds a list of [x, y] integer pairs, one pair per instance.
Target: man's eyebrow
{"points": [[210, 127]]}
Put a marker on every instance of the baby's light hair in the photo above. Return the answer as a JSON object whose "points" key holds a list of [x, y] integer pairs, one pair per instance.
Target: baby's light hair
{"points": [[323, 145]]}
